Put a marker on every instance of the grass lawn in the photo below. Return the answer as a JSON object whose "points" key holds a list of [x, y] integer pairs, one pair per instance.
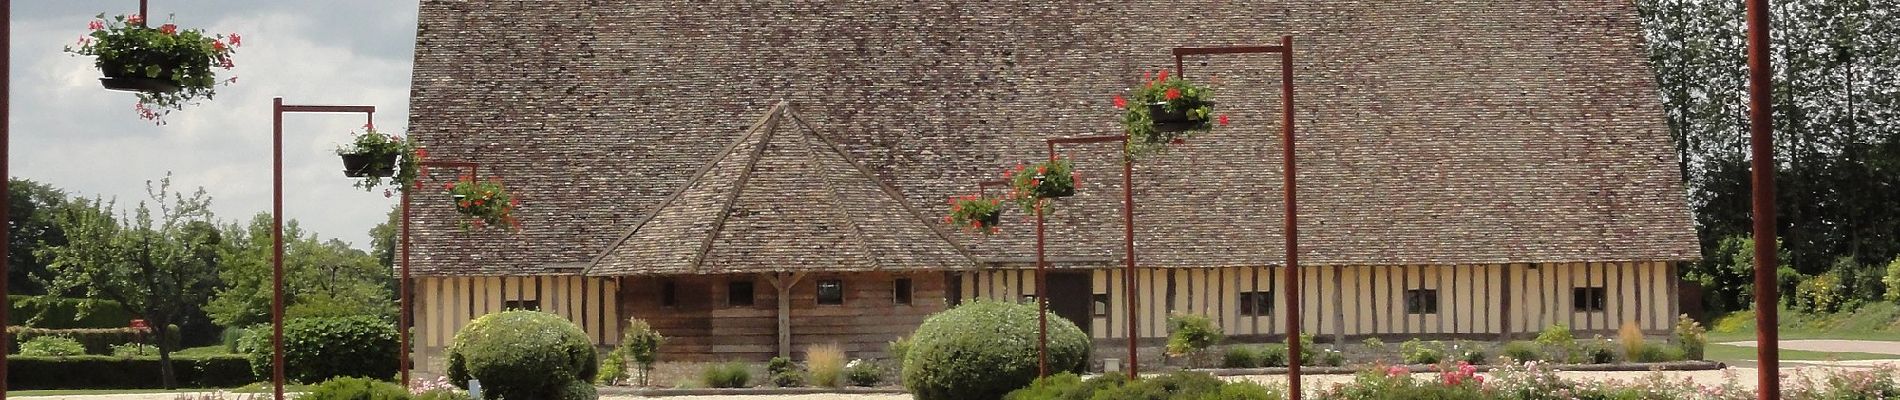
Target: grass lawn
{"points": [[1742, 354], [1873, 321]]}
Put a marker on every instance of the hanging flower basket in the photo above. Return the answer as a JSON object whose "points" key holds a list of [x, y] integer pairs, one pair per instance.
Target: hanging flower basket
{"points": [[378, 158], [483, 204], [1167, 110], [1032, 185], [168, 67], [975, 213]]}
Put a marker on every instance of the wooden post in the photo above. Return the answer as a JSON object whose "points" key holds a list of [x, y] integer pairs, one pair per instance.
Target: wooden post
{"points": [[784, 282], [1504, 305], [1339, 307]]}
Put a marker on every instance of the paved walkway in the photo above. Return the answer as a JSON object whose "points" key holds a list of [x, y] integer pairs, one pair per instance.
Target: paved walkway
{"points": [[1834, 346]]}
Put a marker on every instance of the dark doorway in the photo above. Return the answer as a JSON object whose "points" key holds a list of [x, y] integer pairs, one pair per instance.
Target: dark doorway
{"points": [[1070, 295]]}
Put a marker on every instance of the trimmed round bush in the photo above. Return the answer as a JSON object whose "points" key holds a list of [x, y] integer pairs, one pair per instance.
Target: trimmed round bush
{"points": [[525, 355], [350, 388], [984, 349], [318, 349]]}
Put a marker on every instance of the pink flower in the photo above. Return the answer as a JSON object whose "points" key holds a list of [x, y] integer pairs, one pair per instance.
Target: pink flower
{"points": [[135, 19], [236, 40], [1397, 370], [96, 25], [168, 29]]}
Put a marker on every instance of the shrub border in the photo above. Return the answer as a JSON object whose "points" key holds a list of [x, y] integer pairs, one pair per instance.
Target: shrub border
{"points": [[1420, 368]]}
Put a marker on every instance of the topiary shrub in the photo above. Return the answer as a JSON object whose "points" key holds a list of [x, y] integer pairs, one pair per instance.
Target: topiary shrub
{"points": [[524, 355], [984, 349], [352, 388], [52, 346], [318, 349]]}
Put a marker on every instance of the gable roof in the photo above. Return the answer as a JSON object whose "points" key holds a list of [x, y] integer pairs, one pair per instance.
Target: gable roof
{"points": [[781, 198], [1429, 132]]}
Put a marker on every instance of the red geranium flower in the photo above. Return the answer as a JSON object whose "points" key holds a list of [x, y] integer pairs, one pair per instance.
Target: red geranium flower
{"points": [[168, 29], [96, 25], [1223, 119], [1120, 102], [236, 40], [1172, 94]]}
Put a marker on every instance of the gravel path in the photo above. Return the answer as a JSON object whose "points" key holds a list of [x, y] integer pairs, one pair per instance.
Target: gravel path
{"points": [[1834, 346]]}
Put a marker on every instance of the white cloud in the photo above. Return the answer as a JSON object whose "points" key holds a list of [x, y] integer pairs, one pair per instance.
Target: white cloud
{"points": [[69, 132]]}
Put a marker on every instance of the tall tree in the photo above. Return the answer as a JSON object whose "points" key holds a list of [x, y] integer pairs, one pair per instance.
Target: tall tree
{"points": [[153, 264], [321, 277], [30, 226]]}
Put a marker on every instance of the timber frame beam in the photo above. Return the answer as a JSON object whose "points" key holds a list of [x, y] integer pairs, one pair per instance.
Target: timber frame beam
{"points": [[784, 281]]}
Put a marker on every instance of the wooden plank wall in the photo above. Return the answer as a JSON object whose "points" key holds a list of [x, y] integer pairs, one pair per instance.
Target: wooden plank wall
{"points": [[703, 326], [443, 305], [1371, 298]]}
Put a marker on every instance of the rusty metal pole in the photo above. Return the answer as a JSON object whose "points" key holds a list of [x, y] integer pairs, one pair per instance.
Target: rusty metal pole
{"points": [[142, 14], [277, 248], [1128, 233], [6, 119], [402, 327], [1292, 218], [1762, 174], [1042, 312]]}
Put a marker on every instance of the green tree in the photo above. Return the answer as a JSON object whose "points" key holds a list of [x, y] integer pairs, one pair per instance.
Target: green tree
{"points": [[31, 226], [150, 262], [383, 237], [322, 278]]}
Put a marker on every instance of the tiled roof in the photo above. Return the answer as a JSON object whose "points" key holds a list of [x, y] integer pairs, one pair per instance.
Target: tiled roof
{"points": [[1430, 132], [782, 197]]}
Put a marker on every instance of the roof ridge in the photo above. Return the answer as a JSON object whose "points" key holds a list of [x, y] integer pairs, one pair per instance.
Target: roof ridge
{"points": [[738, 186], [697, 175], [814, 162]]}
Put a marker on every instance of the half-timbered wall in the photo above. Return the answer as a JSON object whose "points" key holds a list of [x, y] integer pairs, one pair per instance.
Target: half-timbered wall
{"points": [[1370, 300], [443, 305]]}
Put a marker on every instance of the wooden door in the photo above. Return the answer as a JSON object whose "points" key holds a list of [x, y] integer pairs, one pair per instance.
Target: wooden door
{"points": [[1070, 295]]}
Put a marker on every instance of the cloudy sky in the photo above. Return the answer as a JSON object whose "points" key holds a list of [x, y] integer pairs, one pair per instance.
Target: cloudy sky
{"points": [[69, 132]]}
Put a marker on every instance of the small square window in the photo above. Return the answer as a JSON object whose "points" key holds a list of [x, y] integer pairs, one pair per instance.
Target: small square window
{"points": [[1587, 299], [739, 294], [1256, 304], [1421, 301], [1101, 305], [530, 305], [831, 292], [669, 294], [900, 291]]}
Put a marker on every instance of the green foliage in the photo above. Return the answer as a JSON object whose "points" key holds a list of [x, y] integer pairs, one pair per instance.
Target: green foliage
{"points": [[1560, 343], [780, 364], [1332, 357], [129, 350], [1273, 355], [1241, 357], [1892, 280], [788, 378], [1174, 386], [613, 369], [863, 373], [1598, 352], [524, 355], [975, 213], [1523, 351], [1419, 352], [1647, 352], [640, 344], [1821, 293], [108, 372], [1308, 350], [1472, 356], [318, 349], [349, 388], [1031, 186], [1191, 334], [322, 277], [381, 149], [898, 348], [51, 346], [984, 349], [185, 58], [1172, 95], [160, 264], [441, 394], [725, 375], [31, 227], [95, 341], [1374, 344], [65, 313], [1691, 337], [484, 203]]}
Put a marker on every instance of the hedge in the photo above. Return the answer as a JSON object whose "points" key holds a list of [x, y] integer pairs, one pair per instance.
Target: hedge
{"points": [[106, 372], [63, 313], [97, 341]]}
